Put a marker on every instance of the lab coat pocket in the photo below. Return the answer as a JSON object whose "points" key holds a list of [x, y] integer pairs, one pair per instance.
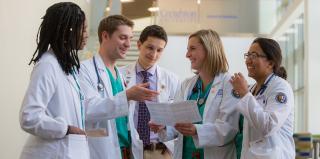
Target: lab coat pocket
{"points": [[98, 147], [264, 149], [38, 148], [77, 147]]}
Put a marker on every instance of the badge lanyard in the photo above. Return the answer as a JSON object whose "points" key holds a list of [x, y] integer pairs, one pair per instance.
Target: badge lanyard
{"points": [[81, 97], [197, 88], [263, 87]]}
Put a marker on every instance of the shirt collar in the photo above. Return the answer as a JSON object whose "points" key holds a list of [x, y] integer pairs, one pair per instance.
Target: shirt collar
{"points": [[151, 70]]}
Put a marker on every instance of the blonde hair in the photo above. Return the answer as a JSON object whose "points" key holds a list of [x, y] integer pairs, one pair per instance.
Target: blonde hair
{"points": [[215, 61]]}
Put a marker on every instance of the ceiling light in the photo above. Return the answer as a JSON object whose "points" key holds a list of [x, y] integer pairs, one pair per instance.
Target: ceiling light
{"points": [[153, 9], [126, 1]]}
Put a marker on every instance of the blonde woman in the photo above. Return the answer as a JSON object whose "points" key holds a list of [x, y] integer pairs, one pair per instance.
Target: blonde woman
{"points": [[210, 87]]}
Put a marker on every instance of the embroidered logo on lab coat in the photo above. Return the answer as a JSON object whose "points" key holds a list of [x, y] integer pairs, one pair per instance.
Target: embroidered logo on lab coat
{"points": [[235, 94], [220, 92], [281, 98]]}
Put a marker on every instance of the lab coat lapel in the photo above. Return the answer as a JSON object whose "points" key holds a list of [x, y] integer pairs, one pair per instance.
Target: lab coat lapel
{"points": [[131, 78], [189, 87], [162, 88], [76, 99], [216, 86]]}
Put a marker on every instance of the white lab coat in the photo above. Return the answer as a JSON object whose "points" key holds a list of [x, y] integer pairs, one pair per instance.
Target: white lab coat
{"points": [[107, 146], [51, 104], [268, 124], [167, 85], [220, 120]]}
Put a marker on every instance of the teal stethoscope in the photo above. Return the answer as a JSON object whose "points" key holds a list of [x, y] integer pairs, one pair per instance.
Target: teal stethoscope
{"points": [[81, 97]]}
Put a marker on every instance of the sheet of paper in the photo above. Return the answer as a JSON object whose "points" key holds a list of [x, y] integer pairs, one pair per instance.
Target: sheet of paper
{"points": [[172, 113]]}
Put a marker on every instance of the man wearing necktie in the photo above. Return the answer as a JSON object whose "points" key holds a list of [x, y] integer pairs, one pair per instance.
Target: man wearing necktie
{"points": [[151, 43]]}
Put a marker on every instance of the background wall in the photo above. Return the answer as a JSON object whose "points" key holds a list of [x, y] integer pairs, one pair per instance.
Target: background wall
{"points": [[225, 16]]}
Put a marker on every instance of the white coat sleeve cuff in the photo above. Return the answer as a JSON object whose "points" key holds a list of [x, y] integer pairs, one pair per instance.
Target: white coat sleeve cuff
{"points": [[163, 135], [122, 103], [65, 130], [242, 105], [195, 138], [169, 133]]}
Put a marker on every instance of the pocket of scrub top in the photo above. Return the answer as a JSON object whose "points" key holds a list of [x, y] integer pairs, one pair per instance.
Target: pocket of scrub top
{"points": [[77, 147], [264, 149]]}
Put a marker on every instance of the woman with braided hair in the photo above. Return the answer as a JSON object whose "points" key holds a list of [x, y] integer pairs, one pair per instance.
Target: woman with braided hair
{"points": [[52, 110]]}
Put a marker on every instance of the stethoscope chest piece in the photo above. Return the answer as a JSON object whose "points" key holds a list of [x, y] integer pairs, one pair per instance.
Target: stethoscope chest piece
{"points": [[200, 101], [100, 87]]}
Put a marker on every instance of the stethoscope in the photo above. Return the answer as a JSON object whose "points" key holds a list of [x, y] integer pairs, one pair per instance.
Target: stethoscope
{"points": [[100, 85], [197, 89]]}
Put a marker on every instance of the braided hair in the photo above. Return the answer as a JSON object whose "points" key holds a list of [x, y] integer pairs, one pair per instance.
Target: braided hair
{"points": [[61, 30]]}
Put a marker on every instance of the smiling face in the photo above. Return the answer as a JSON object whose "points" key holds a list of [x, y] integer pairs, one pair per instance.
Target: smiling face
{"points": [[117, 44], [150, 51], [259, 67], [196, 53]]}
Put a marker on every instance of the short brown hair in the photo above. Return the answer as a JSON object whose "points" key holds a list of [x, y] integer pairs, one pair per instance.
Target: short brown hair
{"points": [[153, 31], [111, 23], [215, 61]]}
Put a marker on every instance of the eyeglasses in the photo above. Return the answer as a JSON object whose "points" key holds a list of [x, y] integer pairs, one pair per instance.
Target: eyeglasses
{"points": [[253, 56]]}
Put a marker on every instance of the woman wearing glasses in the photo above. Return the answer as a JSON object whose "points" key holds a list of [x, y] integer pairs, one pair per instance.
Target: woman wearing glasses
{"points": [[210, 87], [267, 106]]}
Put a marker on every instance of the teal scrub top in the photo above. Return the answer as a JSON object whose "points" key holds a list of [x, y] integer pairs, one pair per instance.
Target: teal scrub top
{"points": [[189, 149], [121, 122], [239, 137]]}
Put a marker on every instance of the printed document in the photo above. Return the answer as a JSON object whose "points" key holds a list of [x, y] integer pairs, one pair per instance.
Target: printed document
{"points": [[172, 113]]}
